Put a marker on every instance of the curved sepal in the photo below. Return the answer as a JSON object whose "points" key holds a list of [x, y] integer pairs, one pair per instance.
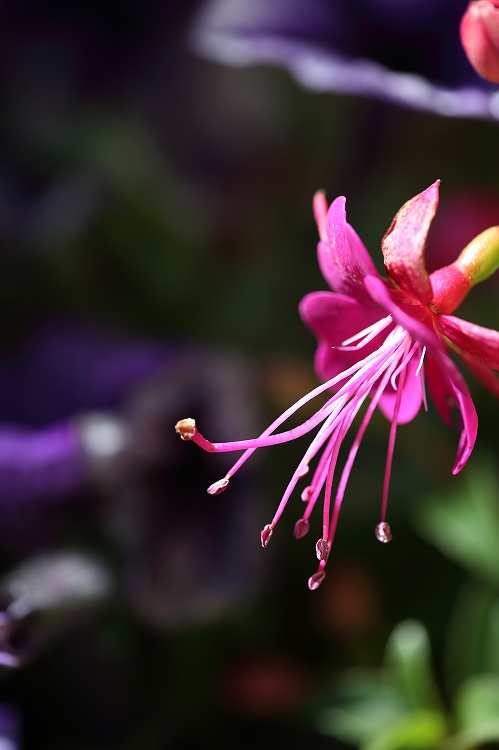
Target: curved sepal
{"points": [[404, 244], [343, 259]]}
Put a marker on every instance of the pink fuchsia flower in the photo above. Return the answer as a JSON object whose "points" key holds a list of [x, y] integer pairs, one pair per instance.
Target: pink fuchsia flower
{"points": [[379, 339], [479, 31]]}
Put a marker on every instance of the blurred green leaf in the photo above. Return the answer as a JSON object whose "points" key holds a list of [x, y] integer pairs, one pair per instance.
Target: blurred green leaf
{"points": [[477, 713], [408, 657], [471, 644], [395, 707], [477, 701], [418, 730], [365, 704], [465, 525]]}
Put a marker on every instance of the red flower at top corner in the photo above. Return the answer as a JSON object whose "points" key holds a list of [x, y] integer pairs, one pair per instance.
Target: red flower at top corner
{"points": [[382, 339]]}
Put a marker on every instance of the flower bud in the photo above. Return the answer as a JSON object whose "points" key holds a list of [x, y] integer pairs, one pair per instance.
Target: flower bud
{"points": [[479, 31], [480, 258], [478, 261]]}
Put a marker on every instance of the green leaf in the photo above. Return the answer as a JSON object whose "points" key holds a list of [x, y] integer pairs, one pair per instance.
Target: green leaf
{"points": [[472, 641], [364, 704], [477, 701], [418, 731], [477, 713], [408, 658], [465, 525]]}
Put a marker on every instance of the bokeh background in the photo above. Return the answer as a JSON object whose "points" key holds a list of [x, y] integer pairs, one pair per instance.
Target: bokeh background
{"points": [[156, 236]]}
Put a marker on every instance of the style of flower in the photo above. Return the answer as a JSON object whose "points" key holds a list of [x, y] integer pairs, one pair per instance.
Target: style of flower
{"points": [[382, 339]]}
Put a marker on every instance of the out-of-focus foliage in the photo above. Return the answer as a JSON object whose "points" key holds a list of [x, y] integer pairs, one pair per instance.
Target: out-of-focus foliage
{"points": [[399, 706]]}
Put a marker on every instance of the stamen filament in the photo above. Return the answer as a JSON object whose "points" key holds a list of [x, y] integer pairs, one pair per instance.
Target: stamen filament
{"points": [[367, 335], [391, 446], [420, 366], [345, 475]]}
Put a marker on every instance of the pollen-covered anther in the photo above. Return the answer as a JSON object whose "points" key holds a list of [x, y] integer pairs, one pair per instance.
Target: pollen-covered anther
{"points": [[217, 487], [383, 532], [315, 581], [302, 528], [267, 532], [322, 549], [186, 428]]}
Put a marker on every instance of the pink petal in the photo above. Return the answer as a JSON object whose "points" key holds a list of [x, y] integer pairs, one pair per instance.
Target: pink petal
{"points": [[448, 391], [404, 243], [456, 387], [333, 318], [440, 391], [343, 259], [405, 315], [412, 396], [485, 375], [468, 412], [482, 343]]}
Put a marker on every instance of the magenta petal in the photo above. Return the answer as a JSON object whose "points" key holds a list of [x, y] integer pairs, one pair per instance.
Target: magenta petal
{"points": [[404, 243], [482, 343], [440, 390], [333, 318], [468, 413], [422, 333], [456, 385], [448, 388], [485, 375], [343, 259], [412, 396]]}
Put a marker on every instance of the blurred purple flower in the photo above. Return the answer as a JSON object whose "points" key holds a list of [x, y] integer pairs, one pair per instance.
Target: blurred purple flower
{"points": [[85, 412], [404, 51]]}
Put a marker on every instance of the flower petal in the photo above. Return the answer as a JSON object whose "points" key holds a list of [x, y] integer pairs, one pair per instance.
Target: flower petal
{"points": [[343, 259], [440, 391], [333, 318], [336, 317], [456, 386], [412, 396], [482, 343], [404, 315], [404, 243], [485, 375], [448, 390]]}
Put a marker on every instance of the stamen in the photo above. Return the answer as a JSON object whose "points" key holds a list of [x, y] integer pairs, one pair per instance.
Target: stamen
{"points": [[186, 428], [389, 346], [421, 361], [369, 333], [383, 532], [302, 527], [322, 549], [266, 534], [402, 366], [217, 487], [391, 448], [345, 475], [315, 581]]}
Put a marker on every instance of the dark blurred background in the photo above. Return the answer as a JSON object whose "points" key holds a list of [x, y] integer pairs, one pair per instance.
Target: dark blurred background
{"points": [[156, 236]]}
